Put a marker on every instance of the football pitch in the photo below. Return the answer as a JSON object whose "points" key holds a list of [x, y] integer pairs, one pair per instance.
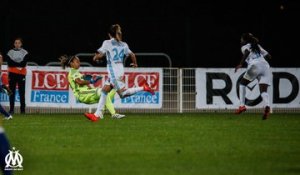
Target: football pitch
{"points": [[157, 144]]}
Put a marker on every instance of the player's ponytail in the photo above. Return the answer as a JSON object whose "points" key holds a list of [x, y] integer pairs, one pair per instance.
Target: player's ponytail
{"points": [[249, 38], [64, 61], [254, 44], [115, 32]]}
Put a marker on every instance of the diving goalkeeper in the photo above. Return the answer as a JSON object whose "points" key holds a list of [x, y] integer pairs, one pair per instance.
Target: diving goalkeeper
{"points": [[81, 89]]}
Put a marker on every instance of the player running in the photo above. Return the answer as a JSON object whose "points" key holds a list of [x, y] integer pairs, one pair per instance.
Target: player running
{"points": [[258, 68], [115, 50]]}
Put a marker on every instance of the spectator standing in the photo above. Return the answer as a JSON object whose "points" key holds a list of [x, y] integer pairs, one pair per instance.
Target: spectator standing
{"points": [[16, 67]]}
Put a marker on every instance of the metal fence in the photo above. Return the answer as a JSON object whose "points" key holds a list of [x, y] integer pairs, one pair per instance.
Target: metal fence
{"points": [[179, 96]]}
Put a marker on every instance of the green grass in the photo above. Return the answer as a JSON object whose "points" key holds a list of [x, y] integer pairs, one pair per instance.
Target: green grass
{"points": [[210, 144]]}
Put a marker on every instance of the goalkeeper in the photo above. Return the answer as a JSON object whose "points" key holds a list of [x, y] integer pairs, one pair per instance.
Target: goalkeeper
{"points": [[80, 85]]}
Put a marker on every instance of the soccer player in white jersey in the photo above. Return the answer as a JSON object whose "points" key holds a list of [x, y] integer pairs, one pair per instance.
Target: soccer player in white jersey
{"points": [[115, 50], [258, 68]]}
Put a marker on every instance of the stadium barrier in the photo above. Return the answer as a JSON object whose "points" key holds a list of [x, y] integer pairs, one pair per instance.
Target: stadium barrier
{"points": [[177, 90]]}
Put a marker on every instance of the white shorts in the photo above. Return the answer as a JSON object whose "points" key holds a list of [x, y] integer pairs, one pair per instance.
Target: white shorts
{"points": [[260, 71], [116, 76], [117, 84]]}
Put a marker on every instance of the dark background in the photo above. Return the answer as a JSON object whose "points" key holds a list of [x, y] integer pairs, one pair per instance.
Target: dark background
{"points": [[206, 34]]}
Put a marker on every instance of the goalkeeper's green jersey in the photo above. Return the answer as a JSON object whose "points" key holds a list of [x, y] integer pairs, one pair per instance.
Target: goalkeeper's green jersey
{"points": [[76, 88]]}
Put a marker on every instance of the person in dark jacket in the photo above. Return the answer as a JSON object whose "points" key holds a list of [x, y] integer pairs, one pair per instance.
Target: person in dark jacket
{"points": [[16, 67]]}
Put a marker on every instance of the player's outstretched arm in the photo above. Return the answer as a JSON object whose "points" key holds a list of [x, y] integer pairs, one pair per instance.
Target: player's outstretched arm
{"points": [[98, 56], [82, 82]]}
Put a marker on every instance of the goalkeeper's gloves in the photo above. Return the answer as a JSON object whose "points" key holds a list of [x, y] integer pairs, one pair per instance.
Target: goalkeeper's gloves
{"points": [[91, 79], [87, 77], [95, 79]]}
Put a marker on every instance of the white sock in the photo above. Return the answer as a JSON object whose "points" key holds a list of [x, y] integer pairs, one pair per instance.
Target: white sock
{"points": [[242, 95], [132, 91], [265, 97], [101, 104]]}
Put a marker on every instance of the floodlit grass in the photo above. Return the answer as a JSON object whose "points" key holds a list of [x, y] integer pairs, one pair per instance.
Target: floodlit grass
{"points": [[210, 144]]}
